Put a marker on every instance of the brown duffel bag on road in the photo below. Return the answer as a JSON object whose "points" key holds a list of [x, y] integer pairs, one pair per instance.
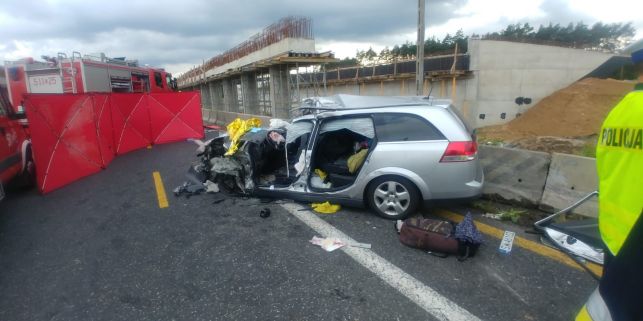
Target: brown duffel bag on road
{"points": [[430, 235]]}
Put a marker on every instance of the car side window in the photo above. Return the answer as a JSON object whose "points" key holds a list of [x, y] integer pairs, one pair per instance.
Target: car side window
{"points": [[403, 128]]}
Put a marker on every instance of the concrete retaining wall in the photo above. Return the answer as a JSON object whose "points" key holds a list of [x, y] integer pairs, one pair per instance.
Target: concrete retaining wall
{"points": [[514, 175], [503, 71], [570, 178]]}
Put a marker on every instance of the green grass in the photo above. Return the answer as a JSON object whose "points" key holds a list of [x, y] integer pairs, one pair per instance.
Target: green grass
{"points": [[485, 206], [511, 214], [490, 141]]}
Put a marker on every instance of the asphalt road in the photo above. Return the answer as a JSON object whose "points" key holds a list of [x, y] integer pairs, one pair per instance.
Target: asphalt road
{"points": [[102, 249]]}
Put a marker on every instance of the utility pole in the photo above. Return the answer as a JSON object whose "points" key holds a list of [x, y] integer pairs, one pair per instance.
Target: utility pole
{"points": [[419, 62]]}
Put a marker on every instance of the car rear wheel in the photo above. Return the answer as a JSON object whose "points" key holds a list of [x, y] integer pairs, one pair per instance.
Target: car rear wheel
{"points": [[393, 197]]}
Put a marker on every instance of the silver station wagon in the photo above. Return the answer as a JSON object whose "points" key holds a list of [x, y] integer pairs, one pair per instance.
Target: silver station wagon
{"points": [[388, 153]]}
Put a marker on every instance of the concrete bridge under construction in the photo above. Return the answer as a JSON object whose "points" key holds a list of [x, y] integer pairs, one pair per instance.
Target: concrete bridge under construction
{"points": [[271, 72], [255, 77]]}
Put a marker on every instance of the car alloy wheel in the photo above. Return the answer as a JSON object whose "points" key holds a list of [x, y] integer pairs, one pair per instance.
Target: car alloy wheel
{"points": [[392, 198]]}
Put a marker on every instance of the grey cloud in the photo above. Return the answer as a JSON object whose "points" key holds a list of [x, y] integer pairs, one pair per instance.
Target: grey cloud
{"points": [[171, 32], [557, 12], [185, 32], [336, 19]]}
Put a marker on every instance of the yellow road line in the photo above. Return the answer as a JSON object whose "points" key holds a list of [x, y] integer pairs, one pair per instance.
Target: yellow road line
{"points": [[525, 243], [160, 190]]}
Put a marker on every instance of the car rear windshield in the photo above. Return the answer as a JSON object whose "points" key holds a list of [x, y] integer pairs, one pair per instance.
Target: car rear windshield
{"points": [[404, 127], [461, 118]]}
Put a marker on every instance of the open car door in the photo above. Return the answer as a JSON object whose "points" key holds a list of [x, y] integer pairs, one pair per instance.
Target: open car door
{"points": [[340, 148]]}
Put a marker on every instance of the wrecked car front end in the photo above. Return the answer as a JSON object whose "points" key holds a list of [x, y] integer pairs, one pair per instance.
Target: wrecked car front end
{"points": [[257, 151]]}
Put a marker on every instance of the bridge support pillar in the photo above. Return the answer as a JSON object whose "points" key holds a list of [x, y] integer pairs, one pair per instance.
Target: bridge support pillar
{"points": [[249, 92], [230, 100], [279, 92]]}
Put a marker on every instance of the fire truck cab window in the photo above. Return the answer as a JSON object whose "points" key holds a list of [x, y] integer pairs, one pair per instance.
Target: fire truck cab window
{"points": [[168, 80], [158, 79]]}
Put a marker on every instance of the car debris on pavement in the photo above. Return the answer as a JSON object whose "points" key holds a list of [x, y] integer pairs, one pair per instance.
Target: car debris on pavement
{"points": [[507, 242], [265, 212], [211, 187], [188, 189]]}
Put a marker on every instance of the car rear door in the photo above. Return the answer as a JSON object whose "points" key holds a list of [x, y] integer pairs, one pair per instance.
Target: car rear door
{"points": [[408, 146]]}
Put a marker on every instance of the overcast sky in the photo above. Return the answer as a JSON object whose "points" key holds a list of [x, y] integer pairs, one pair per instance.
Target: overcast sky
{"points": [[177, 34]]}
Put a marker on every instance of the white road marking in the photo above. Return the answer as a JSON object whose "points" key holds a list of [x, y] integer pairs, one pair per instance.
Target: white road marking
{"points": [[427, 298]]}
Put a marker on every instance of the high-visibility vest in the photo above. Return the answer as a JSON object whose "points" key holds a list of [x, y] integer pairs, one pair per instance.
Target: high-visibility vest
{"points": [[619, 163]]}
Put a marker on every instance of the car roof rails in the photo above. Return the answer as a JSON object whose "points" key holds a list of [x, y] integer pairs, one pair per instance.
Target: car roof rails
{"points": [[352, 102]]}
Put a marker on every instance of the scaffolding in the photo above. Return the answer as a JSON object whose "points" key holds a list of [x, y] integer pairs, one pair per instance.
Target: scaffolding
{"points": [[435, 68], [289, 27]]}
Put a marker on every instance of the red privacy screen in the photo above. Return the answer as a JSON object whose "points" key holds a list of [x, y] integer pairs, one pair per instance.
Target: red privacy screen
{"points": [[75, 135]]}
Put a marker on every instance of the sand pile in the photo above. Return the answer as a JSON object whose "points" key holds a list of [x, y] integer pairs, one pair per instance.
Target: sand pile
{"points": [[575, 111]]}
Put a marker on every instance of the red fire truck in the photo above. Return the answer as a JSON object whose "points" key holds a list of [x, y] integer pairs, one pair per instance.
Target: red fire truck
{"points": [[60, 74], [82, 74], [16, 163]]}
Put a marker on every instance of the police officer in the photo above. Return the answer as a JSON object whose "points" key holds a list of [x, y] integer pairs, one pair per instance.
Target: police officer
{"points": [[619, 163]]}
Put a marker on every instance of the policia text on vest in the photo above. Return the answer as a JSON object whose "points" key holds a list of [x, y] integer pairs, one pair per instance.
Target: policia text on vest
{"points": [[622, 137]]}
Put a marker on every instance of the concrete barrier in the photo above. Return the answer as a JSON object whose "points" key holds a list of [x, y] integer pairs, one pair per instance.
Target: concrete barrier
{"points": [[514, 175], [570, 178]]}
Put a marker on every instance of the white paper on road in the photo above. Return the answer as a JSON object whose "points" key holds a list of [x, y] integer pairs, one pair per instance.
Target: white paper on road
{"points": [[329, 244]]}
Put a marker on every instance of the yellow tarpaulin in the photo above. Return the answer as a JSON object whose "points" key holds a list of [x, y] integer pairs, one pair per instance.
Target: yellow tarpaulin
{"points": [[325, 208], [236, 129], [356, 160], [321, 174]]}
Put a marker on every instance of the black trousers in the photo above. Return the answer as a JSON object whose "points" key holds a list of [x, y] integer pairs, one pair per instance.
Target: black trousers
{"points": [[622, 283]]}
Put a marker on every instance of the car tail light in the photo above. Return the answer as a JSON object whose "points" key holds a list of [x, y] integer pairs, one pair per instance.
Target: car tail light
{"points": [[460, 152]]}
